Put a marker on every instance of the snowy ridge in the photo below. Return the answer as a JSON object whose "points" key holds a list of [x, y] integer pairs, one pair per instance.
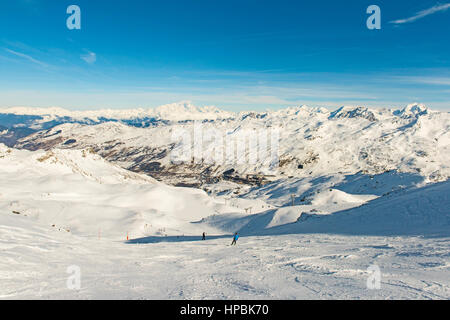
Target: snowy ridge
{"points": [[313, 142], [185, 110], [412, 110], [79, 192], [174, 111]]}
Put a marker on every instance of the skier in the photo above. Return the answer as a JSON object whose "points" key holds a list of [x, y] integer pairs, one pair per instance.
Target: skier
{"points": [[235, 239], [204, 236]]}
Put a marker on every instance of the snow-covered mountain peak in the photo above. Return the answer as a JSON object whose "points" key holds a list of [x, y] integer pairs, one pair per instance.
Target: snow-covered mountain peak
{"points": [[412, 110], [187, 111], [302, 110], [353, 112]]}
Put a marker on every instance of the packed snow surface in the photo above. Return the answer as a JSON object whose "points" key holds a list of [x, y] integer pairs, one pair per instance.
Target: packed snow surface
{"points": [[35, 264]]}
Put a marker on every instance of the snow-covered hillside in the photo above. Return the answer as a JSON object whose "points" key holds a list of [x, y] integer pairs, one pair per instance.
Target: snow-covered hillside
{"points": [[417, 211], [79, 192]]}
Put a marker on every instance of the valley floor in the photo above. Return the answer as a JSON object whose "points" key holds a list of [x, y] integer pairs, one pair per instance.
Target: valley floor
{"points": [[303, 266]]}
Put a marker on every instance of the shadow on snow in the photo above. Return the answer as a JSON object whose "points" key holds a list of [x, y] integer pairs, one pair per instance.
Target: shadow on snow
{"points": [[158, 239]]}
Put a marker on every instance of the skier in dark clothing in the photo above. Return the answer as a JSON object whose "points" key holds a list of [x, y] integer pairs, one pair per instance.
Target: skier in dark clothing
{"points": [[235, 237], [204, 236]]}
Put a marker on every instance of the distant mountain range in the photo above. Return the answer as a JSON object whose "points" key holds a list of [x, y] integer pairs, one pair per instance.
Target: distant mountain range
{"points": [[312, 141]]}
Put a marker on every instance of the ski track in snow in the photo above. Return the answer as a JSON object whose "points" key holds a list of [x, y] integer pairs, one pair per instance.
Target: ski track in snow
{"points": [[34, 266]]}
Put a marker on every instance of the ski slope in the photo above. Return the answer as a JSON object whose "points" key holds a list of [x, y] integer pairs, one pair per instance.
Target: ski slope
{"points": [[63, 208], [79, 192], [35, 261], [419, 211]]}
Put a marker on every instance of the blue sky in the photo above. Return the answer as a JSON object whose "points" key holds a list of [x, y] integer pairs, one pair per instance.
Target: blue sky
{"points": [[233, 54]]}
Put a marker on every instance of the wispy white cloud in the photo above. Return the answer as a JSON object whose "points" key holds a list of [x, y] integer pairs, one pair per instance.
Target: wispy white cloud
{"points": [[423, 13], [27, 57], [90, 57], [439, 81]]}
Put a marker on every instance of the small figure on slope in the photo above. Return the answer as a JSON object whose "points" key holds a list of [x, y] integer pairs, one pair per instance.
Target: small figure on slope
{"points": [[235, 237]]}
